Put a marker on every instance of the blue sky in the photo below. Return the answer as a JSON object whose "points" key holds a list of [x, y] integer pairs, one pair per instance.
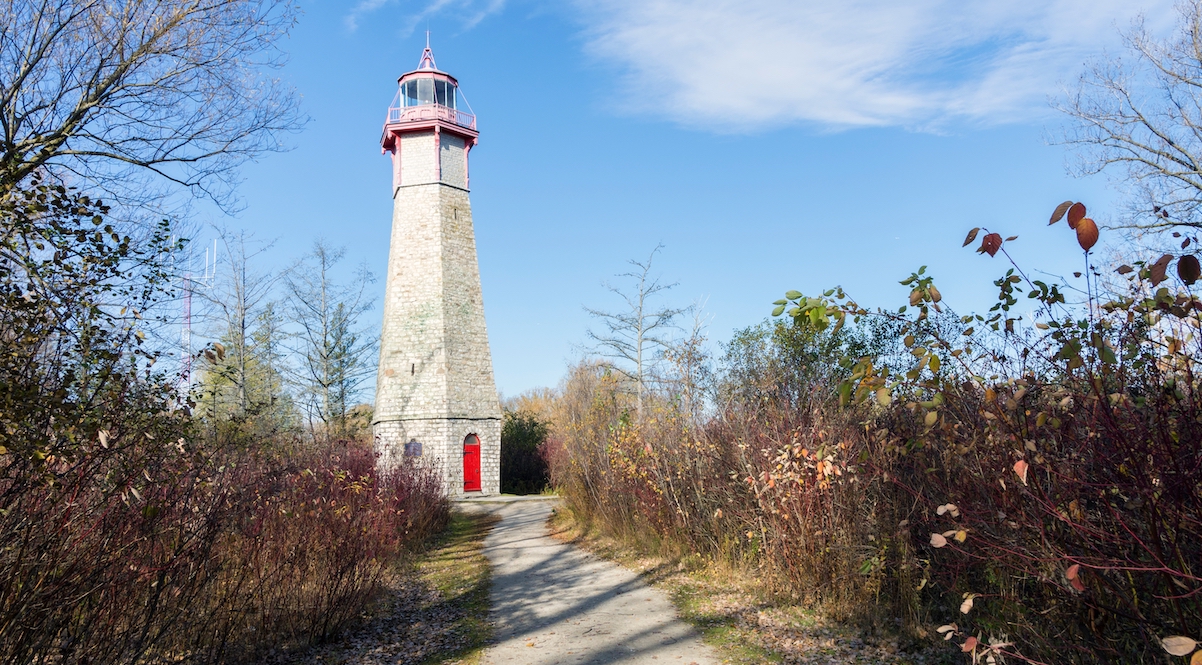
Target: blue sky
{"points": [[768, 144]]}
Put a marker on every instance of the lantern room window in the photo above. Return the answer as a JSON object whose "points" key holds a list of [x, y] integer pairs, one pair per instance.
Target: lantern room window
{"points": [[421, 92]]}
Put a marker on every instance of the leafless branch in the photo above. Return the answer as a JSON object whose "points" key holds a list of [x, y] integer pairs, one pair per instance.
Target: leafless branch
{"points": [[1140, 119], [134, 96]]}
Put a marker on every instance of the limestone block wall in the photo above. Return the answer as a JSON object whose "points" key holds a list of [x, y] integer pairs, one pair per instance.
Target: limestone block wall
{"points": [[416, 152], [452, 157], [442, 447], [435, 381]]}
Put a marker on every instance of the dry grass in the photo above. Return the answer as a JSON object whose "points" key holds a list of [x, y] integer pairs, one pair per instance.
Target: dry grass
{"points": [[735, 609]]}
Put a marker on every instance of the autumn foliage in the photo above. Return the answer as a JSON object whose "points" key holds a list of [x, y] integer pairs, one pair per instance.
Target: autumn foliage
{"points": [[1027, 489], [128, 536]]}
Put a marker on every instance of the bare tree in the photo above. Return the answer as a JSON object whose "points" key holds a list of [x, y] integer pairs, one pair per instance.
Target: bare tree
{"points": [[1142, 117], [335, 354], [634, 335], [246, 381], [689, 370], [127, 93]]}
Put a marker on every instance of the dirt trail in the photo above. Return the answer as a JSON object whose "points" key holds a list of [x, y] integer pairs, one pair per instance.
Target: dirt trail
{"points": [[554, 603]]}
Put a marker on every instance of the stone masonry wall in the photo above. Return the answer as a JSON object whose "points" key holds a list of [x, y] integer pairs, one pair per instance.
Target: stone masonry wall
{"points": [[435, 381], [442, 447], [453, 158]]}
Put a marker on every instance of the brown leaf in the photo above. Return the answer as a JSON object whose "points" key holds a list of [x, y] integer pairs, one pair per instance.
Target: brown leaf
{"points": [[966, 606], [1178, 645], [1059, 212], [1087, 233], [937, 540], [1188, 269], [1020, 467], [1124, 269], [1011, 238], [972, 235], [991, 243], [1157, 270], [1076, 213]]}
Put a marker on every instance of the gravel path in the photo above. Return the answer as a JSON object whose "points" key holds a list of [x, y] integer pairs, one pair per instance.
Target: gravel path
{"points": [[554, 603]]}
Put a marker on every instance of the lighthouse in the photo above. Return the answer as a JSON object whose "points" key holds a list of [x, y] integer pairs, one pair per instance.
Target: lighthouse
{"points": [[436, 401]]}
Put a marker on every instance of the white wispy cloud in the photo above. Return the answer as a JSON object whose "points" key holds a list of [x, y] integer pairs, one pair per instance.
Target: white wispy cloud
{"points": [[467, 13], [741, 65]]}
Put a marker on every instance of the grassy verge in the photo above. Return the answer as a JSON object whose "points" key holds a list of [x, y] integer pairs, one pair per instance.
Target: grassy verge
{"points": [[434, 613], [457, 571], [735, 612]]}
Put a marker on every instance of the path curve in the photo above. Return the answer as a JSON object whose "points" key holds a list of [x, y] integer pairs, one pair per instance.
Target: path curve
{"points": [[553, 603]]}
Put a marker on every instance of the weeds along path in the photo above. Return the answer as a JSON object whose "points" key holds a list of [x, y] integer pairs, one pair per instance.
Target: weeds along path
{"points": [[555, 603]]}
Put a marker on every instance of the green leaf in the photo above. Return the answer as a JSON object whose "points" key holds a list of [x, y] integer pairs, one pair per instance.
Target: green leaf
{"points": [[793, 295], [778, 310]]}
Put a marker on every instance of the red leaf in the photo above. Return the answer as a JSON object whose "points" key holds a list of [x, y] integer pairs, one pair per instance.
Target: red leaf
{"points": [[991, 243], [1158, 269], [1188, 269], [969, 644], [1087, 233], [1075, 214], [1072, 571], [1020, 467]]}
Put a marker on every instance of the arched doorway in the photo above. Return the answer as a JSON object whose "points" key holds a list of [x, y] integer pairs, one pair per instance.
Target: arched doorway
{"points": [[471, 463]]}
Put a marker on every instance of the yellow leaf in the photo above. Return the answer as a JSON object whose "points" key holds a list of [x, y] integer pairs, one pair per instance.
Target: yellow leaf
{"points": [[930, 418], [1196, 659], [961, 536], [883, 397], [990, 395]]}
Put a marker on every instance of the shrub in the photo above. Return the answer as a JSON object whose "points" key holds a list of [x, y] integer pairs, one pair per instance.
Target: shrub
{"points": [[1031, 486], [523, 467], [124, 535]]}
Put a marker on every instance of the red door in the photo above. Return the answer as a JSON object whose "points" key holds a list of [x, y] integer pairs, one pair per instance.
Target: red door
{"points": [[471, 463]]}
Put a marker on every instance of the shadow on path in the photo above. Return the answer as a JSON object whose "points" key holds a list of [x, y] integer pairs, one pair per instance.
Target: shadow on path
{"points": [[554, 603]]}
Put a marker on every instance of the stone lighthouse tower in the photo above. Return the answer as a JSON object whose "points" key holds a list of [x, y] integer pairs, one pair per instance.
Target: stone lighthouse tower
{"points": [[435, 396]]}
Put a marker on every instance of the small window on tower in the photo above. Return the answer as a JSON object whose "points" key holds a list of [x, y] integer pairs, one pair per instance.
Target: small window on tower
{"points": [[440, 93], [413, 449], [425, 91], [410, 91], [451, 90]]}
